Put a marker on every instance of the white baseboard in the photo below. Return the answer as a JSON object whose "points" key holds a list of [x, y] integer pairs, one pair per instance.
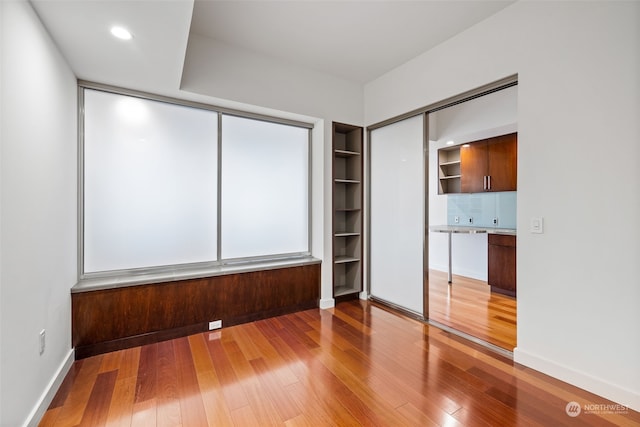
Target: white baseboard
{"points": [[50, 392], [363, 295], [327, 303], [620, 395], [443, 268], [439, 267], [474, 274]]}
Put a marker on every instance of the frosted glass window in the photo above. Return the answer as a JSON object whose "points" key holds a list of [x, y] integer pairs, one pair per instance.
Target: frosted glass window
{"points": [[150, 183], [265, 188], [397, 213]]}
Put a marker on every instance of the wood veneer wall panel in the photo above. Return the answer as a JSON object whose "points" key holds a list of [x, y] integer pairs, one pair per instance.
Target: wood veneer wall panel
{"points": [[502, 264], [112, 319]]}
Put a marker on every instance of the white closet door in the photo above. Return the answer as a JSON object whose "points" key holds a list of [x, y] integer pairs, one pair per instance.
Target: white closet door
{"points": [[397, 214]]}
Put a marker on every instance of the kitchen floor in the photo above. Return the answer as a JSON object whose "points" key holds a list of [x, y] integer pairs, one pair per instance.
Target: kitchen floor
{"points": [[469, 306]]}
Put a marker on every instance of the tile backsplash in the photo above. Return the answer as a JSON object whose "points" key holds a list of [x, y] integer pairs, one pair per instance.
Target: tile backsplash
{"points": [[483, 208]]}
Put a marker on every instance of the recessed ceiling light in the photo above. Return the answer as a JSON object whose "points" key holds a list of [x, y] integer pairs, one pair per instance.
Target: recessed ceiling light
{"points": [[450, 142], [121, 33]]}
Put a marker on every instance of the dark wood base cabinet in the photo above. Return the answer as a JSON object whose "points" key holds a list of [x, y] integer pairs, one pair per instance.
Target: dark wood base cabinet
{"points": [[502, 264], [114, 319]]}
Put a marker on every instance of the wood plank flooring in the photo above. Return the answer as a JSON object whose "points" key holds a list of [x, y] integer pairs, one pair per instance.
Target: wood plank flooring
{"points": [[357, 364], [468, 305]]}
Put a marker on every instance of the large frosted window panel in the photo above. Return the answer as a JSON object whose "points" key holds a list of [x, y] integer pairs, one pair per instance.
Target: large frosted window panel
{"points": [[397, 213], [150, 183], [265, 188]]}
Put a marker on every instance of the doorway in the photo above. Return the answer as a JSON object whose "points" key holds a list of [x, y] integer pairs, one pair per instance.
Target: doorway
{"points": [[407, 274], [460, 297]]}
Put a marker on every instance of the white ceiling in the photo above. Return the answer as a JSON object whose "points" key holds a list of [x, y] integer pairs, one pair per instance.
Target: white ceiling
{"points": [[355, 40], [152, 60]]}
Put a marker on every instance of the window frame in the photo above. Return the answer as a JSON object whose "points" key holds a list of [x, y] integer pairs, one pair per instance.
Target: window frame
{"points": [[186, 269]]}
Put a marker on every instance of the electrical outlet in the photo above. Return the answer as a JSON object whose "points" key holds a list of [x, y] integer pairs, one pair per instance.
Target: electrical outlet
{"points": [[42, 340], [216, 324], [456, 219], [470, 220], [495, 221]]}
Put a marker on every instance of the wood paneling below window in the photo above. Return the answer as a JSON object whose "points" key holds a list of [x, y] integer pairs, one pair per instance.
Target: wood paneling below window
{"points": [[113, 319]]}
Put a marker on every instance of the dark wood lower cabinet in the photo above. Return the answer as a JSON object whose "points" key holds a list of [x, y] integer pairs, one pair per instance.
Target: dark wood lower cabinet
{"points": [[502, 264], [113, 319]]}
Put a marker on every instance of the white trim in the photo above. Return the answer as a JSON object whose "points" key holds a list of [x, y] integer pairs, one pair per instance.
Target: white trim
{"points": [[36, 414], [326, 303], [607, 390]]}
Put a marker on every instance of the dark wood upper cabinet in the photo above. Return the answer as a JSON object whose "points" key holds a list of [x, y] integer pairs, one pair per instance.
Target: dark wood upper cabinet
{"points": [[503, 163], [474, 163], [489, 164]]}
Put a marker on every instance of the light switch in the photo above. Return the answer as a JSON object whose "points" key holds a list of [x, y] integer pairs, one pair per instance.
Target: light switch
{"points": [[537, 225]]}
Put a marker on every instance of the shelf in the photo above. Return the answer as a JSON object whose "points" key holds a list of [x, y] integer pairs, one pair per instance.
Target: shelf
{"points": [[450, 176], [347, 181], [453, 163], [340, 290], [346, 153], [347, 209], [345, 259], [346, 234]]}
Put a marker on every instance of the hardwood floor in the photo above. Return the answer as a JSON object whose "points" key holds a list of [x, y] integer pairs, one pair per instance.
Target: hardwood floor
{"points": [[469, 306], [356, 364]]}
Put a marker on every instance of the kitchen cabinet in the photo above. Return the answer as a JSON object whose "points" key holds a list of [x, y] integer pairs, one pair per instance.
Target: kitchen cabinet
{"points": [[480, 166], [449, 170], [347, 211], [502, 264], [489, 164]]}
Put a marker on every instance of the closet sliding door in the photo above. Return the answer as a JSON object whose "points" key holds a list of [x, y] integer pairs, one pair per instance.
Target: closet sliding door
{"points": [[397, 214]]}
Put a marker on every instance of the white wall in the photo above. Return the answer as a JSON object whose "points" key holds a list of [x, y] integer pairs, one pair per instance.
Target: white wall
{"points": [[490, 115], [578, 106], [225, 72], [38, 211], [217, 69]]}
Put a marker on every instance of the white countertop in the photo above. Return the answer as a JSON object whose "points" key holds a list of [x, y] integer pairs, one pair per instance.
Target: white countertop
{"points": [[471, 230], [176, 274]]}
